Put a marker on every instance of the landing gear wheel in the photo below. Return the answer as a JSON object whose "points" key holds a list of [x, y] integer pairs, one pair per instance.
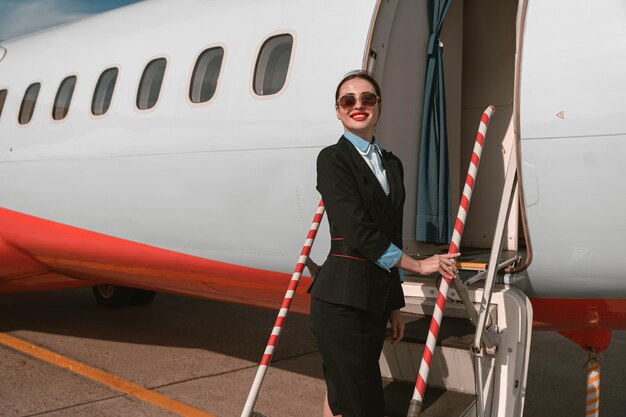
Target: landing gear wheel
{"points": [[112, 296], [142, 297]]}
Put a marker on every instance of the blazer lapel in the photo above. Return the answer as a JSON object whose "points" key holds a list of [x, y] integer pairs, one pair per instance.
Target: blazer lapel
{"points": [[396, 186], [365, 170], [395, 181]]}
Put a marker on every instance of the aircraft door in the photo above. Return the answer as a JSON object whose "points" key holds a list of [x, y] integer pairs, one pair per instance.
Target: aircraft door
{"points": [[573, 138]]}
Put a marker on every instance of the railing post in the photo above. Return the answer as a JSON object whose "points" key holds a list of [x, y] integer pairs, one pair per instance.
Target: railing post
{"points": [[282, 314], [415, 406]]}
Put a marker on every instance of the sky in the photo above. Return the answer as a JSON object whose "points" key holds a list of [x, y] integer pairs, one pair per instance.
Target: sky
{"points": [[20, 17]]}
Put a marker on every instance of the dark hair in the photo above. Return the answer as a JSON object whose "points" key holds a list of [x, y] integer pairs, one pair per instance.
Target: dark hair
{"points": [[358, 74]]}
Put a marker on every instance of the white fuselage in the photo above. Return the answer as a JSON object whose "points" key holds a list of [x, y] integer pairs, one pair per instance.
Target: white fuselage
{"points": [[233, 179], [573, 139]]}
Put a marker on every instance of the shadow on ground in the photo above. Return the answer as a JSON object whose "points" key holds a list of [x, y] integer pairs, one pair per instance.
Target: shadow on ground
{"points": [[169, 321]]}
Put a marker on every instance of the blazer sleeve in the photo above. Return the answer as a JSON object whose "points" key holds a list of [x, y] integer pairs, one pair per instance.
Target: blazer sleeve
{"points": [[346, 207]]}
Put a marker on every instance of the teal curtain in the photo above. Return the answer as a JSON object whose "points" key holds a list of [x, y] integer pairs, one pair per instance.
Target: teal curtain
{"points": [[433, 188]]}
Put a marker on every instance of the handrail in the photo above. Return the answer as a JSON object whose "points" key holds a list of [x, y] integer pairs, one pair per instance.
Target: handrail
{"points": [[282, 314], [493, 267], [416, 403], [484, 342], [510, 184]]}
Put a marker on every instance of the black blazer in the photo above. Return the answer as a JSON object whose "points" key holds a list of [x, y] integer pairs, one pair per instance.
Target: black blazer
{"points": [[363, 222]]}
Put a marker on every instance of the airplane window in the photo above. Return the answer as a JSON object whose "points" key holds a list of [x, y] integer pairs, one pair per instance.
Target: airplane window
{"points": [[64, 98], [104, 91], [272, 65], [150, 84], [205, 75], [28, 103], [3, 97]]}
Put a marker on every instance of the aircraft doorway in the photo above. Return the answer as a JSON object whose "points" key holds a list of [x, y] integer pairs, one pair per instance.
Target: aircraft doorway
{"points": [[479, 43]]}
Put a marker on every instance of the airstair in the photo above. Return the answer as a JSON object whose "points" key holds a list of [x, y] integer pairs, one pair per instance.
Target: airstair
{"points": [[480, 362]]}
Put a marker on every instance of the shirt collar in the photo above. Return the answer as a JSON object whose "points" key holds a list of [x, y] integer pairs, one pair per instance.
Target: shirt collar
{"points": [[361, 144]]}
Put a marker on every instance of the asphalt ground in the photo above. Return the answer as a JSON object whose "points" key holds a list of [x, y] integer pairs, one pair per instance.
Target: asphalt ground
{"points": [[191, 357]]}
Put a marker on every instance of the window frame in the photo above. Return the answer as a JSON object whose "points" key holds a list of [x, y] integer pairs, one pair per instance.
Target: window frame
{"points": [[3, 102], [32, 115], [94, 89], [69, 104], [162, 87], [219, 77], [290, 65]]}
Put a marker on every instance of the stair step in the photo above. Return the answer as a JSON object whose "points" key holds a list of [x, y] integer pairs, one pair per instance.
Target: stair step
{"points": [[452, 364], [453, 333], [437, 402]]}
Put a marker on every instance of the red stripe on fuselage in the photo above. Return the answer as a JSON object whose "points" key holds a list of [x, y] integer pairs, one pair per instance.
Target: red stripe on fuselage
{"points": [[35, 248], [563, 314], [40, 255]]}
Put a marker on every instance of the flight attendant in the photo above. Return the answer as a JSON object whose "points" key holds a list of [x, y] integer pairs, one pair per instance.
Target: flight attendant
{"points": [[358, 291]]}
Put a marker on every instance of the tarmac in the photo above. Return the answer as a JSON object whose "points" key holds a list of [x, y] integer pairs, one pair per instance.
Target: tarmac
{"points": [[63, 355]]}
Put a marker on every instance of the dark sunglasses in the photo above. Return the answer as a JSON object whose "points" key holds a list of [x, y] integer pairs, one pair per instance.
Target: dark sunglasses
{"points": [[368, 100]]}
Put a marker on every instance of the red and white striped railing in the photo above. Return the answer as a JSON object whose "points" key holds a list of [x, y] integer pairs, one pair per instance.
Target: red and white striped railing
{"points": [[415, 406], [282, 313]]}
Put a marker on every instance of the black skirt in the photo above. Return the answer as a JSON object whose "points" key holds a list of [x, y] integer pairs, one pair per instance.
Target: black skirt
{"points": [[350, 342]]}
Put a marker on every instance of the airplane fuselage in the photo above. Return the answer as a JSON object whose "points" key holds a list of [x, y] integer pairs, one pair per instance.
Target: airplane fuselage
{"points": [[232, 180]]}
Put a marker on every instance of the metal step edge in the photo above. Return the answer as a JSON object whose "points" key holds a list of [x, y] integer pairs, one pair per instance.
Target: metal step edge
{"points": [[425, 306]]}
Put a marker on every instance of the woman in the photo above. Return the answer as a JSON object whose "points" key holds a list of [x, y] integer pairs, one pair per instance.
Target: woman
{"points": [[358, 289]]}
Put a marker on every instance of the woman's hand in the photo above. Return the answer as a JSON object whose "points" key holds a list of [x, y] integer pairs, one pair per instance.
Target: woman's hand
{"points": [[396, 332], [312, 267], [444, 265]]}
